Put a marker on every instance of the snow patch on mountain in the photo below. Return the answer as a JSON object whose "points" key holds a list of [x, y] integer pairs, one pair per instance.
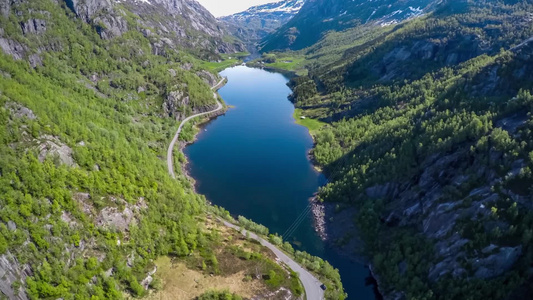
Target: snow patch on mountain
{"points": [[282, 7], [399, 16], [255, 23]]}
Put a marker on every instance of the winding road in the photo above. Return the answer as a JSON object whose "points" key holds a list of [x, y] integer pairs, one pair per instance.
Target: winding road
{"points": [[310, 283], [170, 157]]}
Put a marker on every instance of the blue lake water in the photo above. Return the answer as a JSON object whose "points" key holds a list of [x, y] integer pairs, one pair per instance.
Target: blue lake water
{"points": [[253, 162]]}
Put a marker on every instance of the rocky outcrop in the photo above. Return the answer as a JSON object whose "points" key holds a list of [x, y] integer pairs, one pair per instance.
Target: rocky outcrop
{"points": [[109, 22], [11, 271], [208, 77], [168, 23], [176, 23], [52, 146], [120, 219], [15, 49], [34, 26], [177, 102], [19, 111], [149, 278], [453, 188]]}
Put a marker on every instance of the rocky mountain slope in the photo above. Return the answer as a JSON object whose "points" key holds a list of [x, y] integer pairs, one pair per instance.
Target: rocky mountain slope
{"points": [[319, 16], [429, 147], [257, 22], [176, 23], [90, 91]]}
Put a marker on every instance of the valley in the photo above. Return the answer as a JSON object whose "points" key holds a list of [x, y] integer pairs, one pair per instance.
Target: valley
{"points": [[384, 149]]}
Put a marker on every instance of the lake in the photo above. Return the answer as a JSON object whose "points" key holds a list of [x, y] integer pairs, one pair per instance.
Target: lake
{"points": [[253, 162]]}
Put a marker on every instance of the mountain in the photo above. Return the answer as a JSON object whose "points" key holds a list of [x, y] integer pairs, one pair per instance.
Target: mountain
{"points": [[175, 22], [91, 93], [258, 22], [427, 146], [317, 17]]}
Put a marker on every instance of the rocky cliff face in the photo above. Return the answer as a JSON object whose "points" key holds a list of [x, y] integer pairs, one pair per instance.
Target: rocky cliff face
{"points": [[183, 22], [168, 23]]}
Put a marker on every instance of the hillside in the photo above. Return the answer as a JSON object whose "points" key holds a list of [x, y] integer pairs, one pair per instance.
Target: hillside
{"points": [[91, 93], [317, 17], [257, 22], [428, 146]]}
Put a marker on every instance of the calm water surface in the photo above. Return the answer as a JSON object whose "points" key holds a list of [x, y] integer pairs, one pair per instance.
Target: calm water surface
{"points": [[253, 162]]}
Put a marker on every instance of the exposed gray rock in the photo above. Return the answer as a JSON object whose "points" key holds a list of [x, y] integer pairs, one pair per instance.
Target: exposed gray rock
{"points": [[512, 123], [498, 263], [148, 280], [257, 22], [180, 23], [35, 60], [11, 271], [187, 66], [13, 48], [489, 249], [448, 266], [33, 26], [83, 200], [11, 225], [86, 9], [131, 260], [400, 53], [450, 246], [438, 224], [5, 8], [208, 77], [52, 146], [111, 26], [19, 111], [175, 101], [112, 217], [67, 218]]}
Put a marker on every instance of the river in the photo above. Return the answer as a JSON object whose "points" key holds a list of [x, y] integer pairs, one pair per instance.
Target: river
{"points": [[253, 162]]}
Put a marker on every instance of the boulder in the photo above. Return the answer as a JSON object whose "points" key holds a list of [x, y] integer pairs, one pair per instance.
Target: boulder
{"points": [[52, 146]]}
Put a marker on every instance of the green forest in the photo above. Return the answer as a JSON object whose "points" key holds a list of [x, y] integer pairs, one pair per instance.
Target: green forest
{"points": [[116, 135], [86, 202], [425, 119]]}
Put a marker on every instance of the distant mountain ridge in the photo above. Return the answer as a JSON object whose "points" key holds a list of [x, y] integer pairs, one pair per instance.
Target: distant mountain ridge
{"points": [[317, 17], [257, 22]]}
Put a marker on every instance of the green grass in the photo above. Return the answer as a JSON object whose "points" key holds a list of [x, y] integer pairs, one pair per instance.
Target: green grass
{"points": [[289, 63], [229, 60], [312, 124]]}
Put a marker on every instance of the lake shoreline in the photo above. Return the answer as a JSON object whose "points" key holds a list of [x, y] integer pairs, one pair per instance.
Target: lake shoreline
{"points": [[203, 122], [251, 163]]}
